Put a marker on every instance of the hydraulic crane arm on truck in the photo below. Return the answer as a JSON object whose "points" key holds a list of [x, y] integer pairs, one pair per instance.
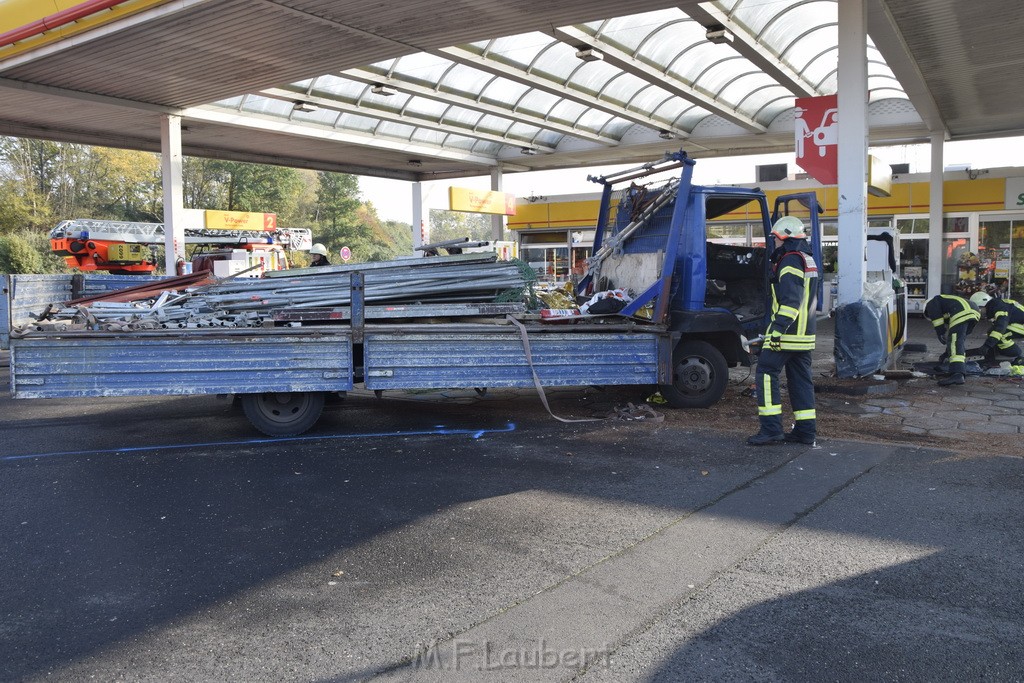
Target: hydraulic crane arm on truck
{"points": [[696, 302], [121, 247]]}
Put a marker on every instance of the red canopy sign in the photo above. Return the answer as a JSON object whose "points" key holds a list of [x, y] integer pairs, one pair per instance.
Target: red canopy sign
{"points": [[817, 137]]}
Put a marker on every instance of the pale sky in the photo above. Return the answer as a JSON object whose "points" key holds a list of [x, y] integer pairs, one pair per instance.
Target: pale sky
{"points": [[393, 198]]}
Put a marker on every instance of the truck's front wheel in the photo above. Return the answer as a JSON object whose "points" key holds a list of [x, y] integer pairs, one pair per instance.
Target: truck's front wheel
{"points": [[699, 376], [283, 414]]}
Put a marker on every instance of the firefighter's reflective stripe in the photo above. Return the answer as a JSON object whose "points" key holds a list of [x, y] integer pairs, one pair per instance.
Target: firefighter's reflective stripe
{"points": [[805, 306], [804, 415], [964, 316], [938, 322], [955, 357], [788, 311], [1015, 328], [768, 407], [797, 342]]}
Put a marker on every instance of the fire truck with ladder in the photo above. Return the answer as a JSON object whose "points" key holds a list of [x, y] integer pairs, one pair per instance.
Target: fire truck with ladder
{"points": [[127, 248]]}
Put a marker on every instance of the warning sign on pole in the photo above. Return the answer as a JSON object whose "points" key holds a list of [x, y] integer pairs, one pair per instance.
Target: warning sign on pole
{"points": [[817, 137], [346, 254]]}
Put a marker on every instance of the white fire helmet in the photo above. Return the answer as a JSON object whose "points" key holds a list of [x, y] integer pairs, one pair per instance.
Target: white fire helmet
{"points": [[789, 227]]}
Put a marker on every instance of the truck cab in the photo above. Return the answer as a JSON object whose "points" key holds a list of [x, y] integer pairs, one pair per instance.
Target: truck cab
{"points": [[712, 297]]}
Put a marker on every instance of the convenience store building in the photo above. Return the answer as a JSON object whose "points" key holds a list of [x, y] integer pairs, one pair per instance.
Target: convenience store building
{"points": [[983, 213]]}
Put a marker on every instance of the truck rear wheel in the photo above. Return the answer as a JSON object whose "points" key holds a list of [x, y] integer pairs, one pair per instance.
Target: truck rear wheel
{"points": [[699, 376], [281, 413]]}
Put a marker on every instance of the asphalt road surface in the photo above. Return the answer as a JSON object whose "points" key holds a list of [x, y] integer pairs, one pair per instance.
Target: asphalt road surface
{"points": [[162, 539]]}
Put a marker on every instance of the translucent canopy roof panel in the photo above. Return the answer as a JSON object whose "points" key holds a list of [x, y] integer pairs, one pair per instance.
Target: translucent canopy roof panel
{"points": [[371, 88], [603, 85]]}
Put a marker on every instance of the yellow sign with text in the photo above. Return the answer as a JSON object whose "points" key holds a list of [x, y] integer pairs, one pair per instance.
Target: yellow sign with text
{"points": [[481, 201], [240, 220]]}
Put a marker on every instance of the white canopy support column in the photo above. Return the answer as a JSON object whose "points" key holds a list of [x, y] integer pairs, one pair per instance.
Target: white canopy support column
{"points": [[418, 225], [935, 222], [497, 220], [174, 197], [853, 149]]}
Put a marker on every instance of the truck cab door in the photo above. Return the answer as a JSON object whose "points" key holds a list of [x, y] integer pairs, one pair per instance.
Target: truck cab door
{"points": [[798, 205]]}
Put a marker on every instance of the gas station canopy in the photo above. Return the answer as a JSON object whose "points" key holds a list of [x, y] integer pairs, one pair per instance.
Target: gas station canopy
{"points": [[425, 90]]}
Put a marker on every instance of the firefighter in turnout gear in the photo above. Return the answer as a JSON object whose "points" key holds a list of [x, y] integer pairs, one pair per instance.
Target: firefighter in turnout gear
{"points": [[1007, 318], [318, 256], [789, 340], [953, 318]]}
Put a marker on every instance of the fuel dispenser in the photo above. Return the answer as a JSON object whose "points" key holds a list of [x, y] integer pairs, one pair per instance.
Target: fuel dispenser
{"points": [[871, 333]]}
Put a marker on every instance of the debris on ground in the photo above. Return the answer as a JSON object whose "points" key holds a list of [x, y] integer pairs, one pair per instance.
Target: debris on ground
{"points": [[635, 413]]}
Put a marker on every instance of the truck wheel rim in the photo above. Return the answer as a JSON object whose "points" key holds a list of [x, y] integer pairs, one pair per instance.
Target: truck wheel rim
{"points": [[282, 408], [694, 375]]}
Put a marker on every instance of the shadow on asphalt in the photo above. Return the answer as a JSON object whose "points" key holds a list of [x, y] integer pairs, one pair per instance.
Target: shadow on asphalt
{"points": [[155, 537], [104, 546], [954, 613]]}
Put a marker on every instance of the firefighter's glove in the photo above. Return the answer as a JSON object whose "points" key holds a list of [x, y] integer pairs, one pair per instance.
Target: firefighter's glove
{"points": [[942, 336], [774, 341]]}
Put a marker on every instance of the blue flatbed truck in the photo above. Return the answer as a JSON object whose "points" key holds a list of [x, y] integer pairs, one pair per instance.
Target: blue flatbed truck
{"points": [[697, 302]]}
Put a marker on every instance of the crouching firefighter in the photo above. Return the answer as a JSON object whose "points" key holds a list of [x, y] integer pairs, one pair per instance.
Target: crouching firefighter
{"points": [[953, 318], [789, 339], [1007, 318]]}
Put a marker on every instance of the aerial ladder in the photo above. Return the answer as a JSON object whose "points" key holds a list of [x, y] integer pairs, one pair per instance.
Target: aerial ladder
{"points": [[126, 248]]}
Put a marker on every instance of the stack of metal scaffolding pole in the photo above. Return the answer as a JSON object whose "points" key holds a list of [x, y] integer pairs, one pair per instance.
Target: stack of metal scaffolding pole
{"points": [[450, 283]]}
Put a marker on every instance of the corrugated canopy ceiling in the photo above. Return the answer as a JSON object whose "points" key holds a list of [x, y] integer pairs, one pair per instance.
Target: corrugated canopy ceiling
{"points": [[421, 90]]}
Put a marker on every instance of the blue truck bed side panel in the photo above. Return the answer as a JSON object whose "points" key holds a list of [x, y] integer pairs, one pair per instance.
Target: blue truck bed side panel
{"points": [[27, 295], [439, 360], [215, 363]]}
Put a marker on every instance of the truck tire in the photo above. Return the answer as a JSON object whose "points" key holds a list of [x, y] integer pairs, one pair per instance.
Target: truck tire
{"points": [[699, 376], [283, 414]]}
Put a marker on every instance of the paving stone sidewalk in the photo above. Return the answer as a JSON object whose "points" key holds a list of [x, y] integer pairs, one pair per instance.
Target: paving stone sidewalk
{"points": [[985, 405]]}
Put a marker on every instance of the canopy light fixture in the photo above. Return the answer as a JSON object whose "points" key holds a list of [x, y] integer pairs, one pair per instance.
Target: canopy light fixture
{"points": [[665, 134], [299, 105], [528, 151], [381, 89], [589, 54], [415, 163], [719, 34]]}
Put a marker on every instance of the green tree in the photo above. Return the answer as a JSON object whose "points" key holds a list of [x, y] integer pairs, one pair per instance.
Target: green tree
{"points": [[202, 183], [337, 199], [127, 185], [400, 236], [18, 256], [260, 187], [450, 225], [21, 207], [337, 220]]}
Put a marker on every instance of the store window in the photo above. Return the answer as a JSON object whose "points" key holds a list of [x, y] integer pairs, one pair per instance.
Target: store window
{"points": [[960, 265], [557, 256], [1001, 255], [956, 264]]}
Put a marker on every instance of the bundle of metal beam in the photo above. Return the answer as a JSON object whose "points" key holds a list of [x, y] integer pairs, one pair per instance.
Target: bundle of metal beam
{"points": [[454, 285]]}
